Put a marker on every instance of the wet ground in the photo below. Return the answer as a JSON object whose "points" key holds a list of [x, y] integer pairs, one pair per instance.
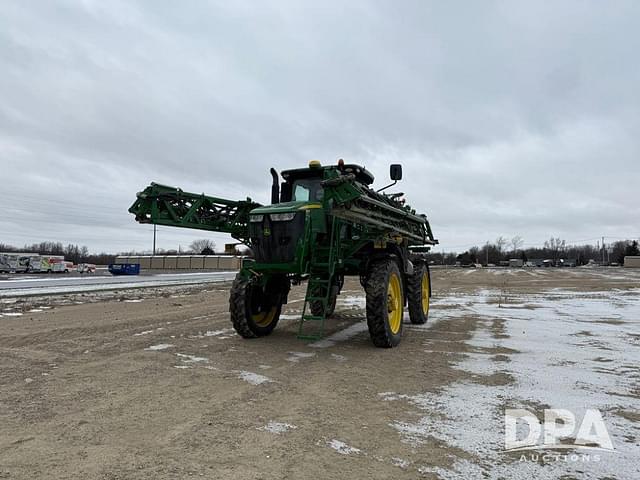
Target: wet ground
{"points": [[153, 383]]}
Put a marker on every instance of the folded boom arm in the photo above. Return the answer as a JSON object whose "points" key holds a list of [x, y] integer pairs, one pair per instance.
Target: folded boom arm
{"points": [[164, 205]]}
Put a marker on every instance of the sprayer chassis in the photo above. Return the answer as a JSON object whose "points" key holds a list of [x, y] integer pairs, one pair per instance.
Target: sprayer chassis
{"points": [[324, 223]]}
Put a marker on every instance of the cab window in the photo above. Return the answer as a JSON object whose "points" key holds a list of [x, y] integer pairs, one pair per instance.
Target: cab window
{"points": [[307, 190], [301, 193]]}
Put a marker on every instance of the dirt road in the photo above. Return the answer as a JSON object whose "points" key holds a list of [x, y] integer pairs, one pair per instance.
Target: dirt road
{"points": [[153, 383]]}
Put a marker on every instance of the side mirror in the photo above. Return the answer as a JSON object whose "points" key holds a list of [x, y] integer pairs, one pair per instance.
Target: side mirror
{"points": [[395, 172]]}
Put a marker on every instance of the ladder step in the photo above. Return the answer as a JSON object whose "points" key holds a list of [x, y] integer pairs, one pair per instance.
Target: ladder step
{"points": [[312, 299], [313, 317], [311, 337]]}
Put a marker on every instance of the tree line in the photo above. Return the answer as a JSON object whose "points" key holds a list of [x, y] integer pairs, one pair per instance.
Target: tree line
{"points": [[554, 249], [502, 249]]}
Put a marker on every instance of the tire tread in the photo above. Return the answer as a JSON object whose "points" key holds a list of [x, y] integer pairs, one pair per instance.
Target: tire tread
{"points": [[376, 292]]}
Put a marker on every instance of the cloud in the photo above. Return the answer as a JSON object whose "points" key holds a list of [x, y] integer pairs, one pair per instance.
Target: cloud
{"points": [[509, 118]]}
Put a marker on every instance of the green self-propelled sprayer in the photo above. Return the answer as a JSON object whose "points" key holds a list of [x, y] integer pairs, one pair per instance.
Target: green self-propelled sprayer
{"points": [[324, 223]]}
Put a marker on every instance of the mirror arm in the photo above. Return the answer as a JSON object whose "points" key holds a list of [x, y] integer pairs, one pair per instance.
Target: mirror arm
{"points": [[390, 185]]}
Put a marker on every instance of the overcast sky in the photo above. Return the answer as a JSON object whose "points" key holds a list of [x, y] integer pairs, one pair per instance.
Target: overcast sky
{"points": [[509, 118]]}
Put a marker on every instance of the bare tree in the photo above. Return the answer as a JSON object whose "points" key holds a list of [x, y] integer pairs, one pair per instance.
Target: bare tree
{"points": [[516, 243], [203, 246], [556, 246], [72, 252], [474, 253]]}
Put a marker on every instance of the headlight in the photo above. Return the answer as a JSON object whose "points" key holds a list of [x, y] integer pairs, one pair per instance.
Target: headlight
{"points": [[282, 217], [255, 218]]}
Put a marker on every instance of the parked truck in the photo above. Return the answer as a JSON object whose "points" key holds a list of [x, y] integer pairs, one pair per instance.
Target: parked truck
{"points": [[16, 262]]}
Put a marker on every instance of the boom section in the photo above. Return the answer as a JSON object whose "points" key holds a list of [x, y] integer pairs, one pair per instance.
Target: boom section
{"points": [[164, 205], [356, 203]]}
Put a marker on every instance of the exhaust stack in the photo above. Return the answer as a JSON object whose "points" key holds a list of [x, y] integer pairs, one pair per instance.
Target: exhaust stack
{"points": [[275, 187]]}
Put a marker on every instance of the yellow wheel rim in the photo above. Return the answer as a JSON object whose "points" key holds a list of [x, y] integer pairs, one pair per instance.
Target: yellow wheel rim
{"points": [[394, 303], [263, 319], [425, 292]]}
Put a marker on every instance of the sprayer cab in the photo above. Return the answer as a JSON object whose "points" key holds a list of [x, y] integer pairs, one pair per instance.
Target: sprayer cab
{"points": [[298, 181]]}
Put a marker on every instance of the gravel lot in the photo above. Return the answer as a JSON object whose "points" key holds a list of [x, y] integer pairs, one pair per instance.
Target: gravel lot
{"points": [[153, 382]]}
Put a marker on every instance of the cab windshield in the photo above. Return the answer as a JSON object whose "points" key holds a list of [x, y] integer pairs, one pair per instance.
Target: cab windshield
{"points": [[307, 190]]}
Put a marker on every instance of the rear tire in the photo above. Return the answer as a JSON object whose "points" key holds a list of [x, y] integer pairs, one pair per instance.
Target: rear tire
{"points": [[419, 294], [317, 308], [255, 311], [385, 302]]}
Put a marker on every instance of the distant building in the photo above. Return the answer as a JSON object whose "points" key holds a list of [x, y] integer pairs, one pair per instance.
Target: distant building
{"points": [[632, 262], [516, 262]]}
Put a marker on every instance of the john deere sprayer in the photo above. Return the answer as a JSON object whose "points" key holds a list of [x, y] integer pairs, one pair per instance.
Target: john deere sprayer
{"points": [[324, 223]]}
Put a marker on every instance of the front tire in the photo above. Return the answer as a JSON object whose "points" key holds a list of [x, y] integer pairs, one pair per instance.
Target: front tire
{"points": [[419, 294], [255, 310], [385, 302]]}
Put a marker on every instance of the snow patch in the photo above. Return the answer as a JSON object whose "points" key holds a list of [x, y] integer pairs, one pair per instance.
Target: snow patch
{"points": [[161, 346], [342, 448], [277, 427], [551, 364], [146, 332], [400, 462], [341, 336], [253, 378], [191, 358], [215, 333], [353, 302], [295, 357]]}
